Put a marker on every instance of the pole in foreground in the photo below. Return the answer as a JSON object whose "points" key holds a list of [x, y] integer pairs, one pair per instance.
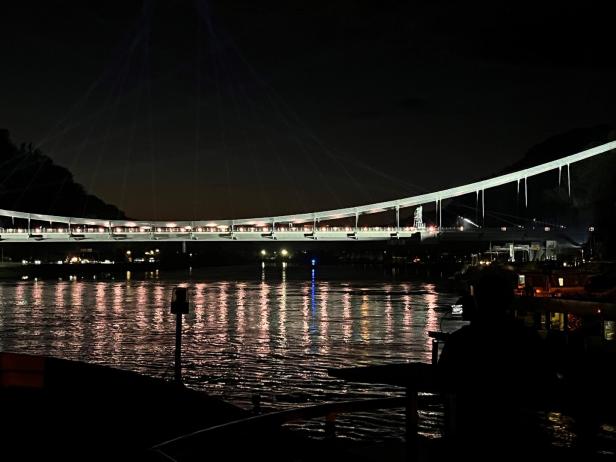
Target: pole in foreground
{"points": [[179, 306]]}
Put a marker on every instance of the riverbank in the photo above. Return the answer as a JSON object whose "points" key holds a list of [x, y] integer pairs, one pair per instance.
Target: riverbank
{"points": [[54, 409]]}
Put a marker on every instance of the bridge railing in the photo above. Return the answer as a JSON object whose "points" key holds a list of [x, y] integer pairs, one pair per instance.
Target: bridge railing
{"points": [[102, 230]]}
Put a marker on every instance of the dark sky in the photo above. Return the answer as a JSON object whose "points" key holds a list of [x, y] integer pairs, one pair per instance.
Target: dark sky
{"points": [[243, 108]]}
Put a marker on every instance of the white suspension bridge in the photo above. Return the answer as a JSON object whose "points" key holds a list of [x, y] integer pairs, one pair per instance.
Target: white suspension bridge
{"points": [[34, 227]]}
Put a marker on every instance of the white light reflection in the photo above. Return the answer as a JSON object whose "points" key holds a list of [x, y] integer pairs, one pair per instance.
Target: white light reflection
{"points": [[306, 298], [432, 322], [98, 321], [223, 313], [282, 312], [323, 317], [346, 316], [199, 304], [59, 294], [37, 294], [263, 347], [142, 303], [365, 318], [388, 318], [159, 308], [240, 311]]}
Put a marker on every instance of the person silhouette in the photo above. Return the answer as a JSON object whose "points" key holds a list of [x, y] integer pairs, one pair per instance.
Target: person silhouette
{"points": [[491, 369]]}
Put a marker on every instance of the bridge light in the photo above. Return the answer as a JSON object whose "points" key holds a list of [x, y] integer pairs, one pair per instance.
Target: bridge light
{"points": [[284, 252], [128, 252], [263, 252]]}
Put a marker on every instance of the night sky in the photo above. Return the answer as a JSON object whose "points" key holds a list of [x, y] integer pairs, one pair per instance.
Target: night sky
{"points": [[228, 108]]}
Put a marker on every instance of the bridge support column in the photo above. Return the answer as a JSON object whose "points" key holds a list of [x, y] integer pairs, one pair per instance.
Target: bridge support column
{"points": [[397, 218], [569, 180]]}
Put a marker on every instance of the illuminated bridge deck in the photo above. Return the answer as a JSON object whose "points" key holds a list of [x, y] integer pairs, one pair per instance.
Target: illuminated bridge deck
{"points": [[501, 234], [247, 235]]}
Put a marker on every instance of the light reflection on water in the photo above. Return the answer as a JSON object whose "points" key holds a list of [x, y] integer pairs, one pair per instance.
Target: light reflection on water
{"points": [[272, 338]]}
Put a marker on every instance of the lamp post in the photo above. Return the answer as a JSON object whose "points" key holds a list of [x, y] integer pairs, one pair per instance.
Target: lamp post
{"points": [[179, 306], [591, 230]]}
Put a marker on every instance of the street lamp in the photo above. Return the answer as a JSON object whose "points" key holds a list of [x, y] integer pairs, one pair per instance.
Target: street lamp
{"points": [[591, 230]]}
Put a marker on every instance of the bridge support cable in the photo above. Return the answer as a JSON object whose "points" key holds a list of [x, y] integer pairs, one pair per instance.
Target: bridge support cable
{"points": [[483, 207], [476, 205], [569, 179], [526, 192], [560, 168], [397, 218]]}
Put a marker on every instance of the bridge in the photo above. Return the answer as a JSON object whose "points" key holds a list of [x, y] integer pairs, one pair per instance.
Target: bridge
{"points": [[322, 226]]}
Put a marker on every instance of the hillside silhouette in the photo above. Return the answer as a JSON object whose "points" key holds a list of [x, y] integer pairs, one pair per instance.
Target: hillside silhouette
{"points": [[31, 182]]}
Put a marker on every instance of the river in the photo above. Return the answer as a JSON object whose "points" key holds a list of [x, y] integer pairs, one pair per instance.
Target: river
{"points": [[270, 332]]}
